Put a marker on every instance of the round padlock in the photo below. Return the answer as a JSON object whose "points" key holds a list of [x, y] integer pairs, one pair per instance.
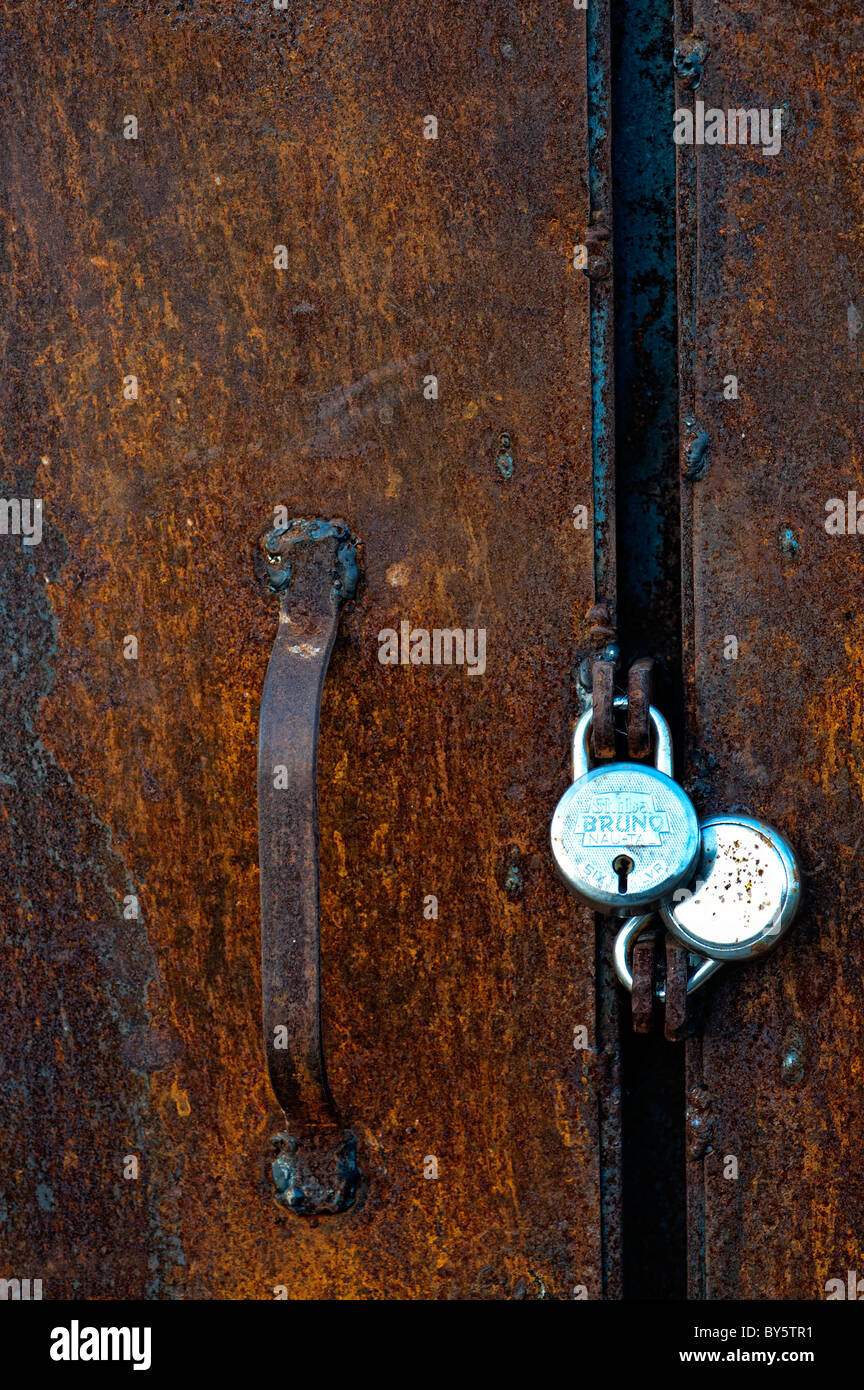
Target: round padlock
{"points": [[624, 835], [746, 893]]}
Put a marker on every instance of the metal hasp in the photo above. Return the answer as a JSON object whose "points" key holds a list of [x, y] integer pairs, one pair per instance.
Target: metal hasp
{"points": [[313, 568]]}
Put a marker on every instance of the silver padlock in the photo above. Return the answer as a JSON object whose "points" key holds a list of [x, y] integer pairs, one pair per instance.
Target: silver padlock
{"points": [[624, 835], [747, 891]]}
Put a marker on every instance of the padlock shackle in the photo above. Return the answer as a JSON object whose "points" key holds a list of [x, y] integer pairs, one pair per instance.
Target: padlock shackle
{"points": [[582, 735], [626, 940]]}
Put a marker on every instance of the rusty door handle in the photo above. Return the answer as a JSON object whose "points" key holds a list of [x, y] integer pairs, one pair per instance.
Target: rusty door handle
{"points": [[312, 566]]}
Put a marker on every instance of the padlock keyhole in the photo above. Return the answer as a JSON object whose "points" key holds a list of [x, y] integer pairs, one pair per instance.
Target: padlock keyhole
{"points": [[622, 866]]}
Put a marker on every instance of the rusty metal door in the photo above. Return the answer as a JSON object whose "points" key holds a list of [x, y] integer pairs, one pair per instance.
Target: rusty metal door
{"points": [[590, 396], [323, 258], [770, 300]]}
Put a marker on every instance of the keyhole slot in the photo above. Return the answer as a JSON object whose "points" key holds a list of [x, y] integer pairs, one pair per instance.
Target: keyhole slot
{"points": [[623, 866]]}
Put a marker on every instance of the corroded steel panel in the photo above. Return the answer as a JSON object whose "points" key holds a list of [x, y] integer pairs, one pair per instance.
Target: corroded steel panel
{"points": [[267, 378], [771, 294]]}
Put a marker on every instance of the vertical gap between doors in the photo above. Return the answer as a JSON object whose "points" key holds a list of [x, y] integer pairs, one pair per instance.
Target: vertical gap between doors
{"points": [[648, 577]]}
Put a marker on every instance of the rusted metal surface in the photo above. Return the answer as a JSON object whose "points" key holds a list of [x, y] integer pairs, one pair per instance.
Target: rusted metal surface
{"points": [[772, 294], [675, 1003], [450, 1003], [601, 629]]}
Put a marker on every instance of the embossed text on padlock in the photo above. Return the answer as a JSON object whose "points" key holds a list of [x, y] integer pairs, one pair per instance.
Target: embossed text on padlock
{"points": [[624, 835]]}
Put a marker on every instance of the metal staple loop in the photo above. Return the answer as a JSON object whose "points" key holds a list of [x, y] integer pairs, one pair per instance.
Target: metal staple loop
{"points": [[675, 1011], [603, 726], [644, 963], [640, 693]]}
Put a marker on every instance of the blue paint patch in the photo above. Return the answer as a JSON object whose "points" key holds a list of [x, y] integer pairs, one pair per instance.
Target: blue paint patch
{"points": [[45, 1196]]}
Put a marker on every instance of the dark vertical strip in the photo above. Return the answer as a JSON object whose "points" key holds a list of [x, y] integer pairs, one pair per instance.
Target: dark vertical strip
{"points": [[686, 196], [608, 1026], [696, 1272], [646, 397], [648, 565], [601, 300], [687, 206], [608, 1015]]}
